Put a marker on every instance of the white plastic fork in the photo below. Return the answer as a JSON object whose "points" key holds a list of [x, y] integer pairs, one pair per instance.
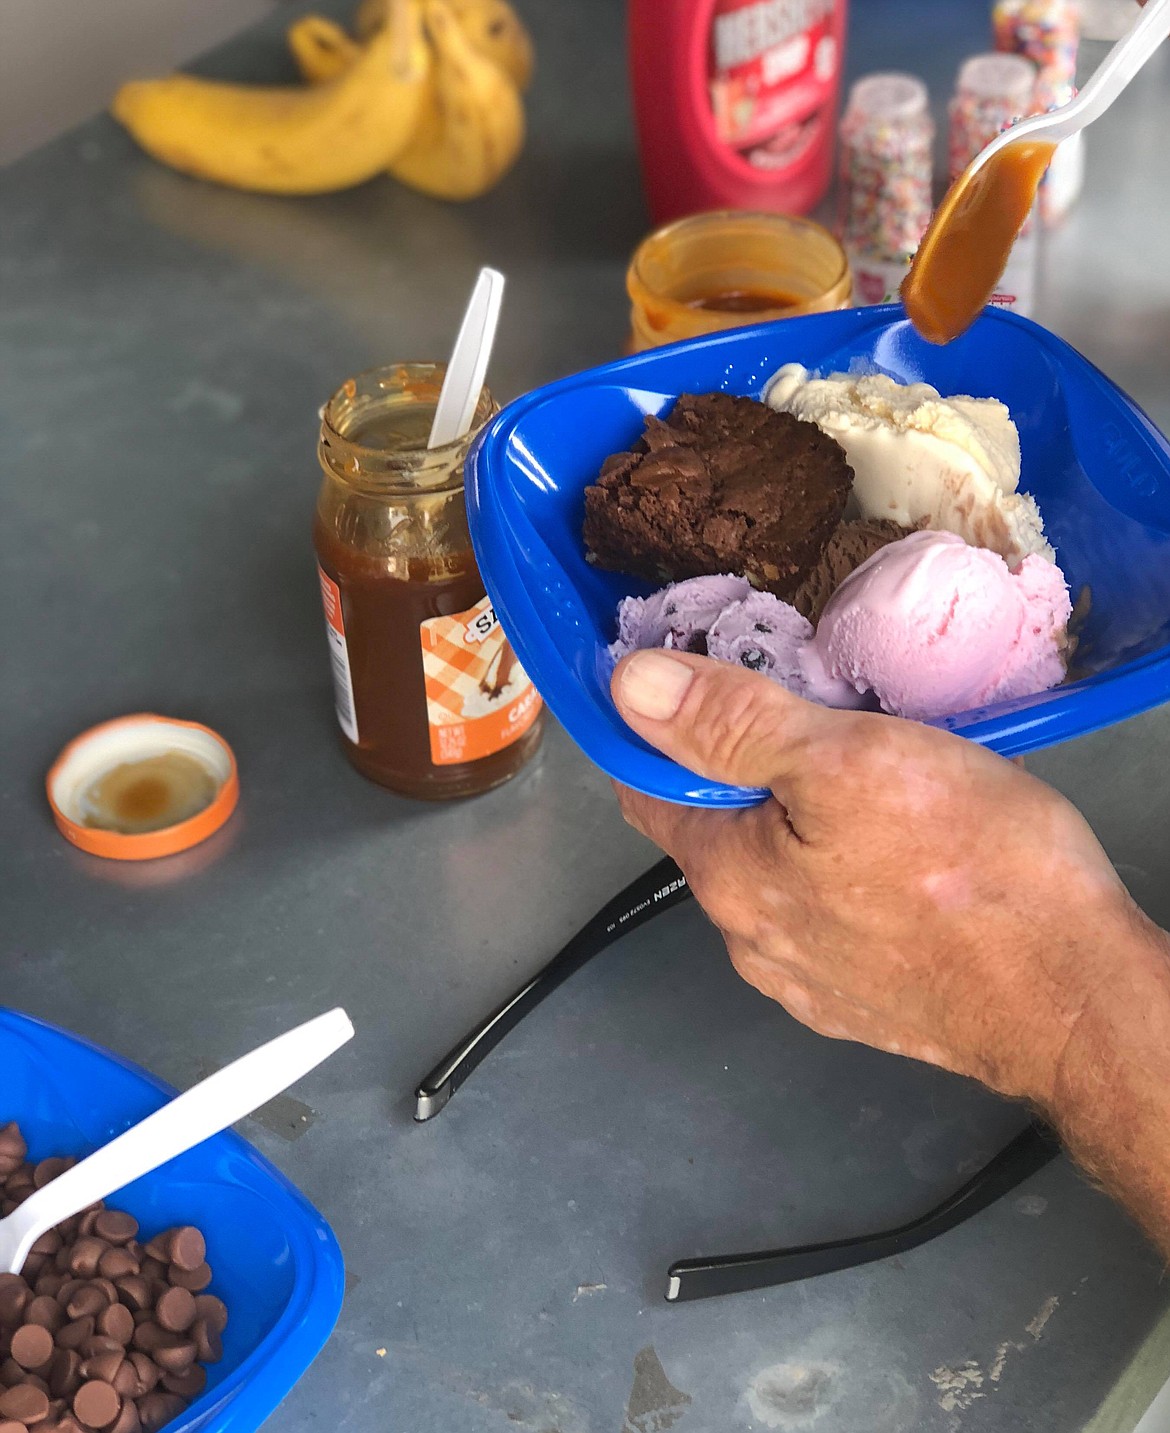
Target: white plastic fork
{"points": [[189, 1119]]}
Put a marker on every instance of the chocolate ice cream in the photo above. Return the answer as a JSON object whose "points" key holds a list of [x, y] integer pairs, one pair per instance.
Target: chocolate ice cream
{"points": [[852, 544]]}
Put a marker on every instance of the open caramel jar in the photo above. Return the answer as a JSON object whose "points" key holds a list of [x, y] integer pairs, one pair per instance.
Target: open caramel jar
{"points": [[430, 698], [727, 268]]}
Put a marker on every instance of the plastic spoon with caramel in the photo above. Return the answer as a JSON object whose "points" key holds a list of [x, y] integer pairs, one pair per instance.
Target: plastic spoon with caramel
{"points": [[970, 238]]}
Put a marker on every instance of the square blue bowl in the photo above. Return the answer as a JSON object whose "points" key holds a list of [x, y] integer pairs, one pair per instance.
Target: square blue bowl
{"points": [[1097, 466], [276, 1263]]}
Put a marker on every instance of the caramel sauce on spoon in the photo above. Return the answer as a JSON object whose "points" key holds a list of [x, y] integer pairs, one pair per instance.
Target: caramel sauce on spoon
{"points": [[966, 248]]}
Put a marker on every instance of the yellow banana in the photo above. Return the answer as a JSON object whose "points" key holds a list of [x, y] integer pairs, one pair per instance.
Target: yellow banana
{"points": [[321, 48], [471, 128], [289, 140], [492, 26]]}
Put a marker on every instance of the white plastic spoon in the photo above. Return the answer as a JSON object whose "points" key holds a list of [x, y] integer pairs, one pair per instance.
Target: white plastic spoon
{"points": [[469, 360], [189, 1119], [970, 238]]}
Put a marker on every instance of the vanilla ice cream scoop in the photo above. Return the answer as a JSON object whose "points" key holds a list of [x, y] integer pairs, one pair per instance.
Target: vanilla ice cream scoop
{"points": [[933, 627], [917, 457]]}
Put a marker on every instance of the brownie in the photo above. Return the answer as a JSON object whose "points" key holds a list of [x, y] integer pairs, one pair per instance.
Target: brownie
{"points": [[724, 484]]}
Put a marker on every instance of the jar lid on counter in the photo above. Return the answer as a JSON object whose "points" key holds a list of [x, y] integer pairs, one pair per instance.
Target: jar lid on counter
{"points": [[142, 786]]}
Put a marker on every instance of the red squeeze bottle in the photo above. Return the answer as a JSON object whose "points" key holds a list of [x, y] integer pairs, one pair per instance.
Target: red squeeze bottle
{"points": [[736, 102]]}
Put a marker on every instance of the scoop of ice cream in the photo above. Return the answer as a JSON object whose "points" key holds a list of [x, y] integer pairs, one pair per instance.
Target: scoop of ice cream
{"points": [[933, 626], [852, 544], [953, 463], [678, 616], [765, 635]]}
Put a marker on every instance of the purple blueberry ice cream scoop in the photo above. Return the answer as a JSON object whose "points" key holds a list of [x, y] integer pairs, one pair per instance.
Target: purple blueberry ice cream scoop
{"points": [[678, 617], [765, 635]]}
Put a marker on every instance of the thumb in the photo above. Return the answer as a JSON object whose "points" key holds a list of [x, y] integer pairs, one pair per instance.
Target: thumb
{"points": [[717, 719]]}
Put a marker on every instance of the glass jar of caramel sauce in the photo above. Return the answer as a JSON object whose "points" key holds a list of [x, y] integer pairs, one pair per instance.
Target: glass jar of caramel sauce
{"points": [[430, 698], [728, 268]]}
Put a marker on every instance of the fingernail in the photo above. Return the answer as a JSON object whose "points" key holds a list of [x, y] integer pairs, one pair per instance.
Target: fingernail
{"points": [[653, 685]]}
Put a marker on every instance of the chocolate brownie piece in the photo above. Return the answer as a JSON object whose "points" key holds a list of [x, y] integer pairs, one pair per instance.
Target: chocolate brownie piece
{"points": [[724, 484]]}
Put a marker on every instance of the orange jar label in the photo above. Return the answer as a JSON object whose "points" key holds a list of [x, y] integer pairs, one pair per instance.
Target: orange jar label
{"points": [[479, 697]]}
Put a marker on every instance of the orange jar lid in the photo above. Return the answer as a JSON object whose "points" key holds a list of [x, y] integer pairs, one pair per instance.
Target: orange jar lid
{"points": [[143, 786]]}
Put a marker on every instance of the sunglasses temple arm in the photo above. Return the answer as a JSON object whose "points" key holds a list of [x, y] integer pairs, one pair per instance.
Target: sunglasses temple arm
{"points": [[658, 889], [1030, 1151]]}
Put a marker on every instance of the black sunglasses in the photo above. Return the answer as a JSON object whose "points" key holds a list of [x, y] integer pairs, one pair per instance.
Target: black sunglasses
{"points": [[660, 889]]}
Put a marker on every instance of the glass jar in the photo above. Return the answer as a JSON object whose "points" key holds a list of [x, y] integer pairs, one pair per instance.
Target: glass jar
{"points": [[430, 698], [728, 268]]}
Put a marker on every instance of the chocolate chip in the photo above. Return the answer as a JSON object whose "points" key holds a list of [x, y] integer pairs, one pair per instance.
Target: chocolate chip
{"points": [[100, 1343], [117, 1322], [96, 1404], [148, 1336], [32, 1346], [134, 1292], [157, 1409], [195, 1280], [115, 1227], [86, 1256], [125, 1381], [74, 1334], [65, 1376], [12, 1145], [88, 1300], [25, 1403], [49, 1169], [144, 1316], [147, 1370], [127, 1421], [214, 1310], [208, 1344], [50, 1285], [176, 1357], [11, 1373], [117, 1264], [175, 1311], [103, 1365], [48, 1243], [10, 1425], [45, 1311], [159, 1247], [152, 1268], [13, 1301], [187, 1385], [188, 1248]]}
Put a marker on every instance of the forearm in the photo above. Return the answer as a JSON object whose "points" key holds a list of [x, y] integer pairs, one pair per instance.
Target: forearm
{"points": [[1111, 1100]]}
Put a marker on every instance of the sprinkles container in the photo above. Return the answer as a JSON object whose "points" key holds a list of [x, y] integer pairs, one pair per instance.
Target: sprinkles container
{"points": [[1048, 33], [887, 138]]}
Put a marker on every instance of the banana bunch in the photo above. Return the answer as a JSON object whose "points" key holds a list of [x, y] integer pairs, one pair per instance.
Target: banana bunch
{"points": [[471, 126], [430, 92]]}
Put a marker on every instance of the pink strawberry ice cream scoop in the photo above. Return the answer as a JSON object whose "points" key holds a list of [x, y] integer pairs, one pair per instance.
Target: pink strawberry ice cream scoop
{"points": [[933, 627], [764, 635], [679, 617]]}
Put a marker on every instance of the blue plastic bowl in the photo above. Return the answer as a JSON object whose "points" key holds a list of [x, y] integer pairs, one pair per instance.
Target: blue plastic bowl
{"points": [[276, 1263], [1098, 467]]}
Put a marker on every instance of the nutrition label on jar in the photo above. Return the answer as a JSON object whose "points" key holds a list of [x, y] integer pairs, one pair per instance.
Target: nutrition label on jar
{"points": [[479, 697]]}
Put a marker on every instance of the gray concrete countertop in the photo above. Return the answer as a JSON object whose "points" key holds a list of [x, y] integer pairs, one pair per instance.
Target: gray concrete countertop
{"points": [[165, 348]]}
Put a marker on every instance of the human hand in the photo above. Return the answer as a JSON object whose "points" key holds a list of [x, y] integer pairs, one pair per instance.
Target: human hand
{"points": [[901, 886]]}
